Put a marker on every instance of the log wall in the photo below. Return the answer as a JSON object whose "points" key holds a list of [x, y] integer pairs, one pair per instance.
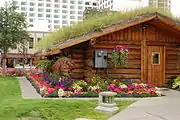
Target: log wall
{"points": [[149, 34], [77, 55], [130, 37]]}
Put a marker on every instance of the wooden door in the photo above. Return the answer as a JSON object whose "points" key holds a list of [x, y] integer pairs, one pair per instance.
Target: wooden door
{"points": [[156, 65]]}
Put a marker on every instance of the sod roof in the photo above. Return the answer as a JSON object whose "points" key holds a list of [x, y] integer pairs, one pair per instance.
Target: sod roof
{"points": [[100, 25]]}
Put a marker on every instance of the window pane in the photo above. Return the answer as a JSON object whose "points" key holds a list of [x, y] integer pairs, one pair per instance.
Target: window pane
{"points": [[38, 39], [31, 43], [155, 57]]}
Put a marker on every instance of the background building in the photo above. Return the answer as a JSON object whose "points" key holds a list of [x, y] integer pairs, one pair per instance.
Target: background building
{"points": [[120, 5], [125, 5], [58, 13], [164, 4], [44, 16]]}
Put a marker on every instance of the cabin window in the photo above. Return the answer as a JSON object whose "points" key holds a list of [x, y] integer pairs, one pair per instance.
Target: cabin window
{"points": [[156, 58]]}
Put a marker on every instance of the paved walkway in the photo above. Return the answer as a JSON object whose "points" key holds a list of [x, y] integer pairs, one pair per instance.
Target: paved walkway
{"points": [[28, 92], [163, 108]]}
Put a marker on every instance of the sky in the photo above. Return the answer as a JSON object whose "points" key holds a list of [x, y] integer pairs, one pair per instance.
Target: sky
{"points": [[175, 4]]}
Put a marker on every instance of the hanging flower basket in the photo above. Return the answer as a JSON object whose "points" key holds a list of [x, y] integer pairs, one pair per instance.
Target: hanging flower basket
{"points": [[119, 56]]}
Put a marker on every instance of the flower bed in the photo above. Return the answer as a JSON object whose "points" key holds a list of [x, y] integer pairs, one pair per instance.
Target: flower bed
{"points": [[48, 86], [14, 72]]}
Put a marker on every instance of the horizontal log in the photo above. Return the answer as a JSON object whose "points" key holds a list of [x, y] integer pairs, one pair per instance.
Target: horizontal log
{"points": [[174, 49], [79, 66], [152, 42], [127, 66], [89, 54], [168, 76], [78, 60], [77, 56], [128, 42], [77, 50], [107, 46], [78, 71], [171, 53], [134, 57], [172, 61], [171, 58], [171, 67], [125, 76], [77, 76], [172, 72], [133, 62], [121, 71]]}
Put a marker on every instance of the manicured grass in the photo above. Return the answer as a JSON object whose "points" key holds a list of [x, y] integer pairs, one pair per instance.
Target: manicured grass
{"points": [[13, 107]]}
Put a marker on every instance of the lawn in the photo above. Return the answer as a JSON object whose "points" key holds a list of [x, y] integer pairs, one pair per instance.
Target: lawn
{"points": [[13, 107]]}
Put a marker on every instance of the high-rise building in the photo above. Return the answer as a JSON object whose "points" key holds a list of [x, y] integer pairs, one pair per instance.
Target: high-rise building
{"points": [[44, 16], [125, 5], [120, 5], [59, 13], [164, 4]]}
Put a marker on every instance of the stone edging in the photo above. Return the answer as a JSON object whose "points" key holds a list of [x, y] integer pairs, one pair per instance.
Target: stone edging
{"points": [[128, 99]]}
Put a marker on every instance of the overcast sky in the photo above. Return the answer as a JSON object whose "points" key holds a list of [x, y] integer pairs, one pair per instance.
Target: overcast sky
{"points": [[175, 6]]}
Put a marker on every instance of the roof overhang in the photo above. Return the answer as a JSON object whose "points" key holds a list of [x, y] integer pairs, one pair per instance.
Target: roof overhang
{"points": [[113, 28]]}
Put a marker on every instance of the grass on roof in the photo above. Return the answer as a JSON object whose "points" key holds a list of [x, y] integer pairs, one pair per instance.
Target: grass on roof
{"points": [[95, 23]]}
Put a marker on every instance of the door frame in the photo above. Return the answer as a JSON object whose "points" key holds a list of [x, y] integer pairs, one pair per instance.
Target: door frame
{"points": [[144, 62]]}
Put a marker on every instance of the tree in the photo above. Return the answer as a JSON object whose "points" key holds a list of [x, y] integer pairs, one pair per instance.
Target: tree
{"points": [[13, 27], [23, 50]]}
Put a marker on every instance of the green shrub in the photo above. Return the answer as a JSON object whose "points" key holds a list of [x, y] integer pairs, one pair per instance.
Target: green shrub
{"points": [[98, 81], [46, 65], [171, 81], [80, 84], [176, 82]]}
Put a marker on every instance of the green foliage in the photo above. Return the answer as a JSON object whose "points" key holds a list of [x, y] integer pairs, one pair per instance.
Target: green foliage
{"points": [[98, 81], [12, 27], [80, 84], [171, 81], [91, 12], [118, 59], [119, 55], [176, 82], [63, 67], [95, 23], [46, 65]]}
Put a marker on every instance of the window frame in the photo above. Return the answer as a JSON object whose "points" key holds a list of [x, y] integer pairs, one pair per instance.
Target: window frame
{"points": [[152, 58]]}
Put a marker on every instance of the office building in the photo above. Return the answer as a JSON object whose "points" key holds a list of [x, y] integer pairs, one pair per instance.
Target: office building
{"points": [[58, 13], [163, 4], [126, 5]]}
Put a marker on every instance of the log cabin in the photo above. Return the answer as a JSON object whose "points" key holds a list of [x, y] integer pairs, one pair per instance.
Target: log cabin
{"points": [[154, 42]]}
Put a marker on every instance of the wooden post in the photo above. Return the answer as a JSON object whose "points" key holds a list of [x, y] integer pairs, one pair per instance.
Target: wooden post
{"points": [[143, 54]]}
